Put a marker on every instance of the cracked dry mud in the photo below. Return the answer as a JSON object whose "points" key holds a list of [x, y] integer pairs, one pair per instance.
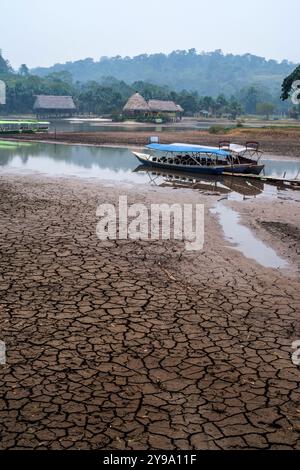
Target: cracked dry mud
{"points": [[136, 345]]}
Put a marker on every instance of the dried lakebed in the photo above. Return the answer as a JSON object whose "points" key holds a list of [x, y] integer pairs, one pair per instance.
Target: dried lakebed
{"points": [[138, 345]]}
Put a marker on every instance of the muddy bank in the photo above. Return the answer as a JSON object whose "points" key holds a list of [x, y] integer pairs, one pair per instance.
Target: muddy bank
{"points": [[138, 345], [275, 141]]}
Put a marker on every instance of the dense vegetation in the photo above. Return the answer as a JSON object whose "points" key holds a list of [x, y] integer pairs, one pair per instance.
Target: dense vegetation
{"points": [[288, 83], [291, 86], [4, 66], [210, 74], [107, 95]]}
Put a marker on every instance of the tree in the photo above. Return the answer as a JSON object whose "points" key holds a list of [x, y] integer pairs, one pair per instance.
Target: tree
{"points": [[207, 104], [249, 97], [287, 85], [24, 70], [5, 68], [189, 101], [265, 109], [220, 105], [98, 99], [234, 108], [63, 76]]}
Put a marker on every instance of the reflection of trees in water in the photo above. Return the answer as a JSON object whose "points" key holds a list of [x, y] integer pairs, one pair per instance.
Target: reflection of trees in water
{"points": [[81, 156], [4, 158], [6, 155]]}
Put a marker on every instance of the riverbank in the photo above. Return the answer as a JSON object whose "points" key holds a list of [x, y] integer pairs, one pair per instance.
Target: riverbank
{"points": [[138, 345], [276, 141]]}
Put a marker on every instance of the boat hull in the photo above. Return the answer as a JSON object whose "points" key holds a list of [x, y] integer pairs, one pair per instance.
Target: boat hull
{"points": [[244, 168], [223, 184]]}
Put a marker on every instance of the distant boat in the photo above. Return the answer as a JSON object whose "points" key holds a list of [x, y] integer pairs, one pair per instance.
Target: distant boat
{"points": [[23, 127], [227, 158]]}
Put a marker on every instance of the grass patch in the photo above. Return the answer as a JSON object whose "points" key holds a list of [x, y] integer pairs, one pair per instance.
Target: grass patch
{"points": [[218, 129]]}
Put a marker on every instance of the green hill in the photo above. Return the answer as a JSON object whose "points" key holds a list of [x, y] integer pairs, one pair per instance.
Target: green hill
{"points": [[208, 73]]}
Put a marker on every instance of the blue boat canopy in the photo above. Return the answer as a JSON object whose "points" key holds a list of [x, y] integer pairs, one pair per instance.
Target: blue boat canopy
{"points": [[188, 149]]}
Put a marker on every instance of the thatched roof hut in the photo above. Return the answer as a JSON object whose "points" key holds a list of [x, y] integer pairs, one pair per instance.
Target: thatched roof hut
{"points": [[137, 106], [54, 103], [163, 106], [136, 103]]}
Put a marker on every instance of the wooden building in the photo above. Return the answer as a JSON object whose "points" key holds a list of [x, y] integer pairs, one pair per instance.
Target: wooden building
{"points": [[54, 106]]}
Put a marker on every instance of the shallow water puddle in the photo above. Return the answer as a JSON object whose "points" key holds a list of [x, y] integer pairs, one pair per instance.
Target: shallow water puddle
{"points": [[245, 240]]}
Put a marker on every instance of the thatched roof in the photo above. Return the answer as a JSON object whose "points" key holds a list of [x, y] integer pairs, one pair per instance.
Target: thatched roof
{"points": [[54, 102], [163, 106], [136, 103]]}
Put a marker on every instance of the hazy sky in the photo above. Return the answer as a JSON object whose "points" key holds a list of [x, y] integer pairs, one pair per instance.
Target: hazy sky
{"points": [[43, 32]]}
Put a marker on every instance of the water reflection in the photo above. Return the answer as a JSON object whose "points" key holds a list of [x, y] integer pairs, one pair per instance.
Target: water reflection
{"points": [[217, 185], [282, 168], [68, 160], [119, 164]]}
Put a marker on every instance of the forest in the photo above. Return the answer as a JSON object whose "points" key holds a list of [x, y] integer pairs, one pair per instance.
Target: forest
{"points": [[210, 74], [103, 87]]}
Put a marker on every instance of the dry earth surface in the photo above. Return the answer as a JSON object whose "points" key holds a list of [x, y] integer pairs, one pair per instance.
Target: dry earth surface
{"points": [[138, 345]]}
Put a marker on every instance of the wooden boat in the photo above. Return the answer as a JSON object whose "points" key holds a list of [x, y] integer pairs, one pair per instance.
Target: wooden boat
{"points": [[202, 159]]}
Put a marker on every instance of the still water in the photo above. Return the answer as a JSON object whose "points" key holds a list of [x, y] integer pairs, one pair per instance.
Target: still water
{"points": [[120, 165], [103, 125], [106, 125], [243, 239]]}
